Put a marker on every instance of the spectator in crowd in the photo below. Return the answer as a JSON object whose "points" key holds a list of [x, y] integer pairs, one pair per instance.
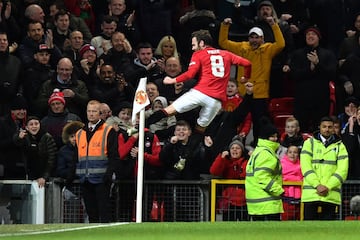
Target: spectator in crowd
{"points": [[98, 141], [127, 22], [84, 10], [8, 23], [87, 69], [145, 65], [165, 127], [152, 92], [165, 49], [40, 151], [332, 29], [350, 43], [74, 90], [351, 105], [263, 182], [58, 116], [76, 23], [35, 13], [11, 75], [291, 137], [124, 112], [121, 55], [350, 137], [260, 54], [30, 44], [210, 89], [349, 74], [323, 178], [38, 72], [72, 51], [173, 68], [265, 12], [65, 157], [181, 155], [111, 88], [61, 31], [200, 17], [295, 14], [311, 67], [291, 171], [337, 128], [105, 111], [225, 125], [102, 42], [231, 164], [12, 156], [128, 151], [155, 19], [233, 99]]}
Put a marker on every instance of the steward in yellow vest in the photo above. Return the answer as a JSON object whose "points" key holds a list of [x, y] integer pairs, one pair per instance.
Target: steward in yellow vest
{"points": [[263, 182], [324, 164]]}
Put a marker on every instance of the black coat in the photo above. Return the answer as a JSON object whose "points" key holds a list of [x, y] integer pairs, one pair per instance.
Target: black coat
{"points": [[224, 127], [352, 144], [36, 75], [10, 79], [11, 156], [40, 151], [171, 154]]}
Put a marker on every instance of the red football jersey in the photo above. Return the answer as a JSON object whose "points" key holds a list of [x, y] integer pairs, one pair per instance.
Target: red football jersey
{"points": [[213, 66]]}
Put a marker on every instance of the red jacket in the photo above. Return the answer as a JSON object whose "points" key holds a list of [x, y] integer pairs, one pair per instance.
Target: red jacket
{"points": [[231, 169]]}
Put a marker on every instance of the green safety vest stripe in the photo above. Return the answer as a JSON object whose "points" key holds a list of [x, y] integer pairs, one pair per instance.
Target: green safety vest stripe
{"points": [[308, 173], [307, 152], [322, 161], [338, 177], [266, 169], [259, 200], [342, 157], [268, 187]]}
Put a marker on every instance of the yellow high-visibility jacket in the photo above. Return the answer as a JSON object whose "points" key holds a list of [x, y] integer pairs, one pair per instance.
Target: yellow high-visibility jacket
{"points": [[325, 165], [263, 182]]}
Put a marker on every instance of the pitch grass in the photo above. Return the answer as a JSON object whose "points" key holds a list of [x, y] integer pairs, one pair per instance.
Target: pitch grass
{"points": [[200, 231]]}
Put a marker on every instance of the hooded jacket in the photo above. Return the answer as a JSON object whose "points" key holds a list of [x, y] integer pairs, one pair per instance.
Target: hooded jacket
{"points": [[263, 182]]}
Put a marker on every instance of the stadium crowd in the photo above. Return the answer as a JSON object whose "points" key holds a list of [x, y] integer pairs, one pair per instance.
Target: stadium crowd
{"points": [[59, 59]]}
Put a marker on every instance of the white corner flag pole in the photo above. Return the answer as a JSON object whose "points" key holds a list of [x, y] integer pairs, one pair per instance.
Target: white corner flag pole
{"points": [[140, 171], [141, 100]]}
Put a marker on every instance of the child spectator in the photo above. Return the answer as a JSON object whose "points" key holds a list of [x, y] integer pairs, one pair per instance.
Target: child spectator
{"points": [[232, 101], [232, 164], [39, 148], [166, 126], [291, 171], [65, 158], [292, 136], [124, 112]]}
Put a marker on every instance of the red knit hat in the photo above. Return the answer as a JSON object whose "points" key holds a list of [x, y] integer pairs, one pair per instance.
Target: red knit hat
{"points": [[314, 29], [56, 96], [86, 47]]}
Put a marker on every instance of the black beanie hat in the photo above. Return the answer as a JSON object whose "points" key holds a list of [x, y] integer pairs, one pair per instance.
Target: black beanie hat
{"points": [[267, 129], [18, 102]]}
